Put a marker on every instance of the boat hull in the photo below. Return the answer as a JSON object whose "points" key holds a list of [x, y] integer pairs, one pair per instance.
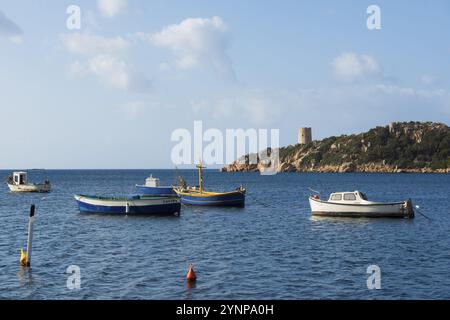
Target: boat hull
{"points": [[155, 191], [132, 206], [229, 199], [376, 210], [38, 188]]}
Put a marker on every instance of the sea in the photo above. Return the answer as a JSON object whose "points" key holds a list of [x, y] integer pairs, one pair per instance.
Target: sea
{"points": [[271, 249]]}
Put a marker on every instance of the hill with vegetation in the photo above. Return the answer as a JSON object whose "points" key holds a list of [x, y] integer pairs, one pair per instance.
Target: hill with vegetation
{"points": [[398, 147]]}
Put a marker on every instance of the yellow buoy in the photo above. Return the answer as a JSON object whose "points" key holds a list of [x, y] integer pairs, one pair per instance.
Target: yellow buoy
{"points": [[23, 258]]}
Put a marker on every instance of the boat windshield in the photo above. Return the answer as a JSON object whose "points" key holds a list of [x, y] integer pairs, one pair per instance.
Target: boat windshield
{"points": [[336, 197], [363, 196]]}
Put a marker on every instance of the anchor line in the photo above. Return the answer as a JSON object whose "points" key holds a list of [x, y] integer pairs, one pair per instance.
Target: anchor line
{"points": [[264, 204], [422, 214], [261, 202]]}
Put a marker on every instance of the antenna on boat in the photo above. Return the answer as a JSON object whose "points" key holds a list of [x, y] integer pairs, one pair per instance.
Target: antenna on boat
{"points": [[177, 176]]}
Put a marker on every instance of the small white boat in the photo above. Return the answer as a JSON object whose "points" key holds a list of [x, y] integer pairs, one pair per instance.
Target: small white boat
{"points": [[18, 182], [356, 204], [152, 188]]}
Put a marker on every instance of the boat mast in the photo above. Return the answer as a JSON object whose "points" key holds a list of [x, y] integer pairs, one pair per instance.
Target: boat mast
{"points": [[200, 178]]}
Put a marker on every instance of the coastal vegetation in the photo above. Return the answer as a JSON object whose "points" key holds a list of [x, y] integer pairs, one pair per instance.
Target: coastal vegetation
{"points": [[398, 147]]}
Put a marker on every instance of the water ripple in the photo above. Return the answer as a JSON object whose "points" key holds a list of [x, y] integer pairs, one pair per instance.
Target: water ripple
{"points": [[271, 249]]}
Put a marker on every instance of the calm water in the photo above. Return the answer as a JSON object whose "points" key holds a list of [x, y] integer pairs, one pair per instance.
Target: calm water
{"points": [[271, 249]]}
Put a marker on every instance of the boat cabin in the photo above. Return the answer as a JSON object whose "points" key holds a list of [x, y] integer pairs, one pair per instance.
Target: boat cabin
{"points": [[19, 178], [152, 182], [348, 197]]}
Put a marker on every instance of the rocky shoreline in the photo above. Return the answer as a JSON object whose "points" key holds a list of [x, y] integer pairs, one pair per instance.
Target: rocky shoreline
{"points": [[344, 168], [406, 147]]}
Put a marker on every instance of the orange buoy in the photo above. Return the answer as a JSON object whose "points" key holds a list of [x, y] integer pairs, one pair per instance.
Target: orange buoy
{"points": [[191, 276]]}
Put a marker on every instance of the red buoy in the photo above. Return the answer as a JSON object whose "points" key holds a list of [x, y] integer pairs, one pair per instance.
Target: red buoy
{"points": [[191, 276]]}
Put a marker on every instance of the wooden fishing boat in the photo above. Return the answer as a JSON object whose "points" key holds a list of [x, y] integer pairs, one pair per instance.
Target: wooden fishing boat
{"points": [[198, 196], [18, 182], [152, 188], [356, 204], [129, 205]]}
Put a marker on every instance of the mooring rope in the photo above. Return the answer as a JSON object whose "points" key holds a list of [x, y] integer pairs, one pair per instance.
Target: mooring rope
{"points": [[420, 212], [261, 202]]}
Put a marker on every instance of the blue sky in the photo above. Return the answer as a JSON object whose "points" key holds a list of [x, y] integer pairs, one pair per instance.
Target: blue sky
{"points": [[110, 94]]}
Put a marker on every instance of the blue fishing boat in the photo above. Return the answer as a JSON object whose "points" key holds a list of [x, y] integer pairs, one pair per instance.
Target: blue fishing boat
{"points": [[129, 205], [152, 188], [198, 196]]}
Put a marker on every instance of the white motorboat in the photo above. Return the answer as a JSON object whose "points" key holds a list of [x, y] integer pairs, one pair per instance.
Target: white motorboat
{"points": [[18, 182], [356, 204], [152, 188]]}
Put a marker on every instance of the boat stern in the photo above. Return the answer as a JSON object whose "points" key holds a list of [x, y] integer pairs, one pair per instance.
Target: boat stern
{"points": [[409, 211]]}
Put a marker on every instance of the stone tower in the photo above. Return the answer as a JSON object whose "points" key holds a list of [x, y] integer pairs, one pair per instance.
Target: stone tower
{"points": [[304, 135]]}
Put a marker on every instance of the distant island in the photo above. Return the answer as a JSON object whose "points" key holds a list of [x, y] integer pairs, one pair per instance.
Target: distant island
{"points": [[398, 147]]}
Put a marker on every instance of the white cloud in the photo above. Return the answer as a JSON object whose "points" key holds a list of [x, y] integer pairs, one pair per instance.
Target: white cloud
{"points": [[405, 91], [110, 71], [77, 68], [116, 73], [357, 107], [133, 109], [427, 79], [86, 44], [104, 59], [259, 109], [10, 30], [254, 106], [351, 66], [395, 90], [195, 42], [111, 8]]}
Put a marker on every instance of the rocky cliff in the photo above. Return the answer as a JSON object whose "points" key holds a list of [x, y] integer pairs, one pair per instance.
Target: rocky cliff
{"points": [[398, 147]]}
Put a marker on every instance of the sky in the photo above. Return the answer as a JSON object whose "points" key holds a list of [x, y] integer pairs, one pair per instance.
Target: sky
{"points": [[110, 93]]}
